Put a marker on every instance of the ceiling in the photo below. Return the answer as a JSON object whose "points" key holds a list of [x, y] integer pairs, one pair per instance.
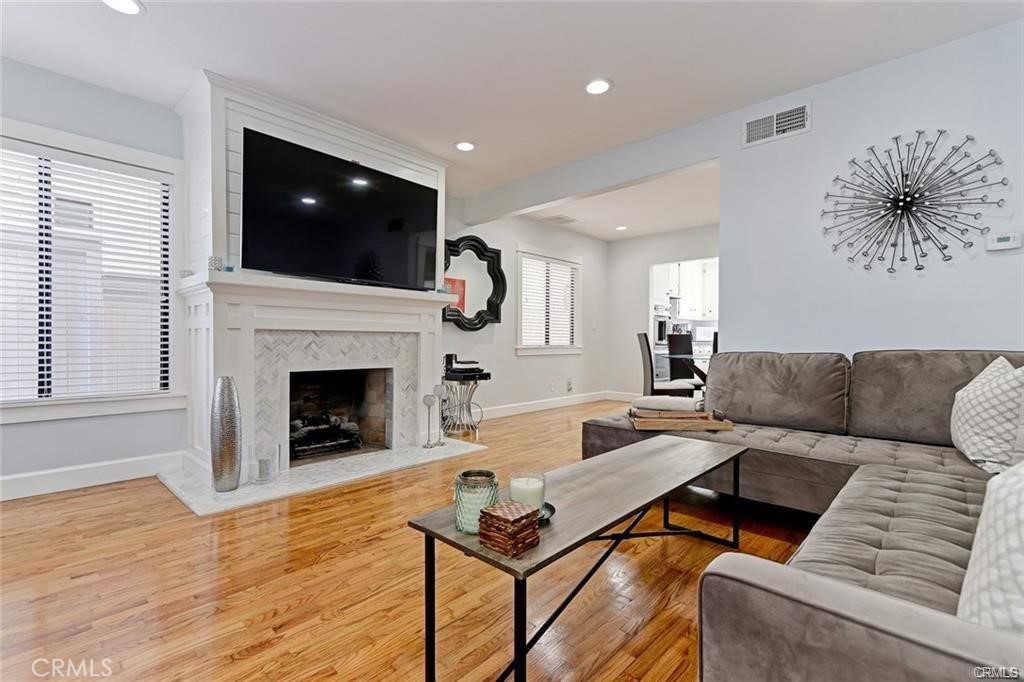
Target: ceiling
{"points": [[687, 197], [508, 76]]}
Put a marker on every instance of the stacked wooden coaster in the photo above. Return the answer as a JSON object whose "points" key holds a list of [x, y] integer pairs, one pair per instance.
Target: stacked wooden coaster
{"points": [[509, 527]]}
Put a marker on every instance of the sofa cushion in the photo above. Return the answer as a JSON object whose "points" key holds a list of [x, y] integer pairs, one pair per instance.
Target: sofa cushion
{"points": [[987, 423], [993, 591], [795, 390], [851, 450], [898, 531], [796, 469], [908, 394]]}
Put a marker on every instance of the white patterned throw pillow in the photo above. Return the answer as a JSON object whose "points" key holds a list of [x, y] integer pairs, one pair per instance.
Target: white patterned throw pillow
{"points": [[987, 423], [993, 589]]}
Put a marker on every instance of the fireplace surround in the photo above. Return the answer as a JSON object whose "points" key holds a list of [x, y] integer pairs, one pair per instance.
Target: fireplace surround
{"points": [[261, 328], [280, 354]]}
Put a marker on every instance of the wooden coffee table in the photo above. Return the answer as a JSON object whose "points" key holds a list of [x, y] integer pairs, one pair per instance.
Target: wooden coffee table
{"points": [[590, 497]]}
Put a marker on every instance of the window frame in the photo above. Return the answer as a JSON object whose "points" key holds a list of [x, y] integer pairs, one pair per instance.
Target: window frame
{"points": [[35, 139], [576, 264]]}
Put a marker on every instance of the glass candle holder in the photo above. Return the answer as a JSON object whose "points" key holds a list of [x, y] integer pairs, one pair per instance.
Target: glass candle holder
{"points": [[474, 490], [264, 467], [527, 487]]}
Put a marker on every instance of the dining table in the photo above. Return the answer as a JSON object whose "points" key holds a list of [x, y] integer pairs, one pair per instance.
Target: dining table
{"points": [[690, 360]]}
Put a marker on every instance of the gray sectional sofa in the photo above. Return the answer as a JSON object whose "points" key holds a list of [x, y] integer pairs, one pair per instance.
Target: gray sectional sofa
{"points": [[872, 593]]}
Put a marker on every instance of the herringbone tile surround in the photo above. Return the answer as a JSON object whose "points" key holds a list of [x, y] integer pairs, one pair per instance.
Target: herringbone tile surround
{"points": [[276, 350]]}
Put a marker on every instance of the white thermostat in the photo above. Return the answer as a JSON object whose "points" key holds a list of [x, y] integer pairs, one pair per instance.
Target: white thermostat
{"points": [[999, 241]]}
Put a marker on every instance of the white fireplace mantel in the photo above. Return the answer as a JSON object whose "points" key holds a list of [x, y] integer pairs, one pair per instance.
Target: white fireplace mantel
{"points": [[260, 284], [232, 316]]}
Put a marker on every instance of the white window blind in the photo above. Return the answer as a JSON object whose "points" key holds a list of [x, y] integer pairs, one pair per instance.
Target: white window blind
{"points": [[84, 276], [547, 302]]}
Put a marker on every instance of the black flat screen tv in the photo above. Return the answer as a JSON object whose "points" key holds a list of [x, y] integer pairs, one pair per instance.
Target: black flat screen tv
{"points": [[311, 214]]}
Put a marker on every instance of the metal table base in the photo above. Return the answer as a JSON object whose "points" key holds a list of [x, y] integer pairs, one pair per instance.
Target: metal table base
{"points": [[457, 415]]}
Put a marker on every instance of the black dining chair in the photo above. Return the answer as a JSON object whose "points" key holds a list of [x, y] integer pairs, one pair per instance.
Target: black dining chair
{"points": [[714, 343], [682, 344], [683, 387]]}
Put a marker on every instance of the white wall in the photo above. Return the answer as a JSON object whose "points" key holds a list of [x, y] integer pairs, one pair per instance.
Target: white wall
{"points": [[782, 288], [628, 296], [518, 380], [41, 456], [49, 99]]}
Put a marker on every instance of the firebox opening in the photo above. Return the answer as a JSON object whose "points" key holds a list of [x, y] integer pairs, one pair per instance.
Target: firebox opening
{"points": [[337, 412]]}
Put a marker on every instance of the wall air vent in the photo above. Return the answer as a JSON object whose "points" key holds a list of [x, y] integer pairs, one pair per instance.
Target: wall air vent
{"points": [[761, 129], [559, 219], [790, 120], [780, 124]]}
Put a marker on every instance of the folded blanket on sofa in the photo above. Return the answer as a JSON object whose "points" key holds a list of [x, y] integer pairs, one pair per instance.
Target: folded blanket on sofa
{"points": [[668, 403]]}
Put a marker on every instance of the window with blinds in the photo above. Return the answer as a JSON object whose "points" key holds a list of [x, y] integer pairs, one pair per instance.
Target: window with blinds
{"points": [[548, 296], [84, 277]]}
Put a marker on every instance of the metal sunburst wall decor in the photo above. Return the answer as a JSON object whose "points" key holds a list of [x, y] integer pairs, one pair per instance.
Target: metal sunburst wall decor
{"points": [[912, 202]]}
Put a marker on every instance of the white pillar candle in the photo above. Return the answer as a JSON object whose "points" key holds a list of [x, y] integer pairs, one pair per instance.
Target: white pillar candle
{"points": [[528, 490]]}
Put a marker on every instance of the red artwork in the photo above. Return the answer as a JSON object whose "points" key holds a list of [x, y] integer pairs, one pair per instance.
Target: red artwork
{"points": [[457, 286]]}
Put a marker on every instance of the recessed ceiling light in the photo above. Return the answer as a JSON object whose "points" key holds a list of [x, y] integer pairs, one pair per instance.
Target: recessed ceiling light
{"points": [[308, 200], [465, 146], [360, 181], [126, 6], [621, 228], [598, 86]]}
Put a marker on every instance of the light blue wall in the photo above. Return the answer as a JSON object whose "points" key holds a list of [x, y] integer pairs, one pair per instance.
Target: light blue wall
{"points": [[628, 295], [54, 101], [40, 446], [49, 99], [524, 379], [781, 286]]}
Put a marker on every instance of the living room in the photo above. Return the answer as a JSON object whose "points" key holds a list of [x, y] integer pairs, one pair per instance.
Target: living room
{"points": [[286, 312]]}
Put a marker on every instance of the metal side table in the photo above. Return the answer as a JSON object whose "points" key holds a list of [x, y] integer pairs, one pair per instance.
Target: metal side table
{"points": [[457, 411]]}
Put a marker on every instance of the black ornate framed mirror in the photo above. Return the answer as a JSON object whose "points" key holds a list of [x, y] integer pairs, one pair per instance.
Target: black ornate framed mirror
{"points": [[473, 271]]}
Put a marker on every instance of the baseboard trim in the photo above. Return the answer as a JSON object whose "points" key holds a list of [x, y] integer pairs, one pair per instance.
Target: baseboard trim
{"points": [[33, 483], [512, 409], [197, 462], [624, 396]]}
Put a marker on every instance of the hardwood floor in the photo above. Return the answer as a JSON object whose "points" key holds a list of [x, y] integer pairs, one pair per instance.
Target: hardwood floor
{"points": [[328, 585]]}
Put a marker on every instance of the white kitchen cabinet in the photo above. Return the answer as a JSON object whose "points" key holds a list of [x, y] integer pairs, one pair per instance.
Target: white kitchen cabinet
{"points": [[691, 289], [693, 283], [661, 283], [709, 290], [674, 273]]}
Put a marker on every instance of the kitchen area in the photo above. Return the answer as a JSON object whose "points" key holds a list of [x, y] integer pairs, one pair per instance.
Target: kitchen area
{"points": [[684, 300]]}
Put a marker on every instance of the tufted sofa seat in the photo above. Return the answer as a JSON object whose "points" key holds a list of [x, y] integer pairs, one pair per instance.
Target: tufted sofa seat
{"points": [[898, 531], [849, 450], [871, 594], [790, 467]]}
